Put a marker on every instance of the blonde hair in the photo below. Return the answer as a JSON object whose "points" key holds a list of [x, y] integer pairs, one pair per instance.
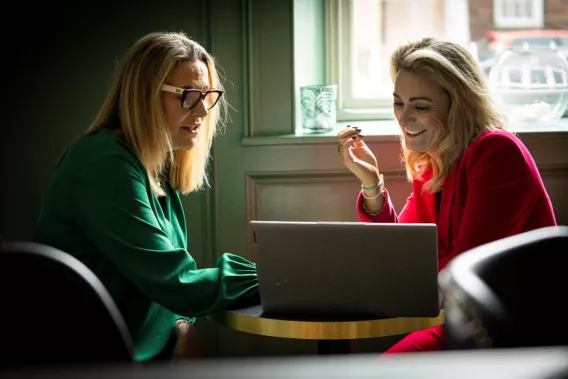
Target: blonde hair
{"points": [[472, 110], [133, 105]]}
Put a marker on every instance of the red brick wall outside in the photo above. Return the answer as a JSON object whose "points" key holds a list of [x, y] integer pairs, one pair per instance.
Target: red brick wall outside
{"points": [[556, 14]]}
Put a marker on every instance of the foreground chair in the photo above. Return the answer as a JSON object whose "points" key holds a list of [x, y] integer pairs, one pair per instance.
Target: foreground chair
{"points": [[56, 311], [509, 293]]}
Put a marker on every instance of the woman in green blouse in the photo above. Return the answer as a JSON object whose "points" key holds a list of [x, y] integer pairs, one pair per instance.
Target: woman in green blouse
{"points": [[114, 199]]}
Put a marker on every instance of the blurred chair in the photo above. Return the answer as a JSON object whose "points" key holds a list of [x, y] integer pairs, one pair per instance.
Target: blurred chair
{"points": [[56, 311], [508, 293], [530, 363]]}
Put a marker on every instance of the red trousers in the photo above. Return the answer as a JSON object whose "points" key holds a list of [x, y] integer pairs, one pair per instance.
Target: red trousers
{"points": [[431, 339]]}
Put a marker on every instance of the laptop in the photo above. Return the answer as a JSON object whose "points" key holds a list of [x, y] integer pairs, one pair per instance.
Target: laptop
{"points": [[346, 268]]}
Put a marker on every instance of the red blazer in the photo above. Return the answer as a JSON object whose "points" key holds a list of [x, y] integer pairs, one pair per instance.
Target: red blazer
{"points": [[493, 191]]}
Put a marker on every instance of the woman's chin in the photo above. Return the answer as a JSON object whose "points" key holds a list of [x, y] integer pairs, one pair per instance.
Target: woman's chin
{"points": [[185, 143], [419, 144]]}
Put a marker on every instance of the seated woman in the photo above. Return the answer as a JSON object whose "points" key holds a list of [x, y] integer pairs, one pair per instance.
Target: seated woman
{"points": [[114, 199], [470, 176]]}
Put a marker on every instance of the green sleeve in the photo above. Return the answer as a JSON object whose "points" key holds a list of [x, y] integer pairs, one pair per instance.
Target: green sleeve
{"points": [[189, 319], [113, 206]]}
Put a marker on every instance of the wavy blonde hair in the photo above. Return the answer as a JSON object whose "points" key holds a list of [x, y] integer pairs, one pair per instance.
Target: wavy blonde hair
{"points": [[472, 109], [133, 105]]}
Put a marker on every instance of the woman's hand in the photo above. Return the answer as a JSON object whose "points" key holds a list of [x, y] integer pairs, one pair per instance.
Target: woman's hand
{"points": [[357, 156], [188, 343]]}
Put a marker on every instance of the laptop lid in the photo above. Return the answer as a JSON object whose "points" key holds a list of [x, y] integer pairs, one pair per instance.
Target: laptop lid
{"points": [[349, 268]]}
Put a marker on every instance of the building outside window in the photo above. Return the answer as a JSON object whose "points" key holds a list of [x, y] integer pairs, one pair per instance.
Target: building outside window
{"points": [[361, 34]]}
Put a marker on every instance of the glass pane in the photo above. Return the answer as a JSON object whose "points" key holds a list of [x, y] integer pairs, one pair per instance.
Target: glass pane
{"points": [[506, 8], [368, 64], [379, 26], [528, 8]]}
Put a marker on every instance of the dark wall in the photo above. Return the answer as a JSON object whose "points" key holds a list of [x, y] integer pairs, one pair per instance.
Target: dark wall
{"points": [[57, 63]]}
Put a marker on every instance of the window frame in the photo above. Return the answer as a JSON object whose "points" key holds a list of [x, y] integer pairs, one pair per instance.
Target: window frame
{"points": [[338, 18], [502, 21]]}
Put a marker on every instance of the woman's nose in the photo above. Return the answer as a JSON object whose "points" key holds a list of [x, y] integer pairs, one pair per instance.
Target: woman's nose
{"points": [[405, 118], [200, 109]]}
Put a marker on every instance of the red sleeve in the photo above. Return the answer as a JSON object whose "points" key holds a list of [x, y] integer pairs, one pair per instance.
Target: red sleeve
{"points": [[503, 186], [388, 213]]}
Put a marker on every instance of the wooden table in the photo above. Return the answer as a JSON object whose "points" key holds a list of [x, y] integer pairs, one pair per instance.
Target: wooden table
{"points": [[334, 335]]}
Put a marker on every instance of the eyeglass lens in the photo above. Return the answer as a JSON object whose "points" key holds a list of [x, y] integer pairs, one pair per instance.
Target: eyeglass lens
{"points": [[193, 97]]}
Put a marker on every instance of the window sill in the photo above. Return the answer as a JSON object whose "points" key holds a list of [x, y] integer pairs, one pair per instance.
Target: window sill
{"points": [[377, 131]]}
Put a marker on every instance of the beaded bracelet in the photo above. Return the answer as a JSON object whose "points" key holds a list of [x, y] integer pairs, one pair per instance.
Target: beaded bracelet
{"points": [[381, 192], [369, 213], [181, 321]]}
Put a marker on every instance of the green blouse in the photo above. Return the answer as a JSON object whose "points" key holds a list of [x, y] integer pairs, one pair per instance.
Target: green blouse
{"points": [[99, 207]]}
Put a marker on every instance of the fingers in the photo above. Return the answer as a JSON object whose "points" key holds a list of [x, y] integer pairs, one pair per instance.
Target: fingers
{"points": [[350, 155], [358, 140], [348, 132], [355, 141], [346, 138], [345, 144], [356, 155]]}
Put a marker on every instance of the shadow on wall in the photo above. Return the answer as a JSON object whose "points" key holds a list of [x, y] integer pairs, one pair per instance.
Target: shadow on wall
{"points": [[57, 76]]}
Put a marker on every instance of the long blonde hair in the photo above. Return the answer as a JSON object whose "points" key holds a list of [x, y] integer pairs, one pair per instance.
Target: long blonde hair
{"points": [[472, 109], [133, 105]]}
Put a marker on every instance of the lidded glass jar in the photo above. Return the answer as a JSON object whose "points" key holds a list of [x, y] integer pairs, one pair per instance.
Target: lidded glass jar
{"points": [[531, 83]]}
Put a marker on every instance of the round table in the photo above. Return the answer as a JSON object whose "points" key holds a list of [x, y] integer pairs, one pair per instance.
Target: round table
{"points": [[334, 335]]}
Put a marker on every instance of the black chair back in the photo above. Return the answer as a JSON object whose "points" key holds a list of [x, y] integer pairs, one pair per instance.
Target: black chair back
{"points": [[55, 310], [508, 293]]}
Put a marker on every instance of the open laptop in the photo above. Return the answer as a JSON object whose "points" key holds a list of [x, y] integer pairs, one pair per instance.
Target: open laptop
{"points": [[347, 268]]}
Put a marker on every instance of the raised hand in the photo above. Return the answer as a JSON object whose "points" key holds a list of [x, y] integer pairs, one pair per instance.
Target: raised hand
{"points": [[357, 156]]}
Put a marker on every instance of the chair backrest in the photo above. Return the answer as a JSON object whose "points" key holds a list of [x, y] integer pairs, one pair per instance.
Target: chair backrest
{"points": [[508, 293], [55, 310]]}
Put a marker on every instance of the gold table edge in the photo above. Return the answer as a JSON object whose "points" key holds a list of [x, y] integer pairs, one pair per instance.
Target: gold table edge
{"points": [[325, 330]]}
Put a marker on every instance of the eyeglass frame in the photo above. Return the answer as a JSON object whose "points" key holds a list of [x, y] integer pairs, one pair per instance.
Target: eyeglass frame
{"points": [[184, 91]]}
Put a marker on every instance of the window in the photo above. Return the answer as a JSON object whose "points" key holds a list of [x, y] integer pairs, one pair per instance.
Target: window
{"points": [[518, 13], [361, 35]]}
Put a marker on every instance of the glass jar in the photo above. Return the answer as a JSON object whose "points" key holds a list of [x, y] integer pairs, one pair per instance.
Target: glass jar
{"points": [[532, 84], [319, 104]]}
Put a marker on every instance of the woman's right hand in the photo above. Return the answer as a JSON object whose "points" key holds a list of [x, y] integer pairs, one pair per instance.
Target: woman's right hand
{"points": [[357, 156]]}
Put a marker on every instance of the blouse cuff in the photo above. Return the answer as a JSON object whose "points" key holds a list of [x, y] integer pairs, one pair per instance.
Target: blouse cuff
{"points": [[191, 320], [387, 214]]}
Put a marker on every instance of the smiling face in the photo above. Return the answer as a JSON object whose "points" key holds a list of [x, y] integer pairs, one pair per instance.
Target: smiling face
{"points": [[421, 107], [184, 125]]}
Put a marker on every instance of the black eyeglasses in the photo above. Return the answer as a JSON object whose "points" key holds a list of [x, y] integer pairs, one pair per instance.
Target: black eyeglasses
{"points": [[191, 97]]}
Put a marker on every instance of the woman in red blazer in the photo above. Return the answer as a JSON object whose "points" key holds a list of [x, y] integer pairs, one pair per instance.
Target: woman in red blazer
{"points": [[476, 181]]}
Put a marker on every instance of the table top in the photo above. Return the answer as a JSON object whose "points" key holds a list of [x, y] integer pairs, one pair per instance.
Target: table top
{"points": [[252, 319]]}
